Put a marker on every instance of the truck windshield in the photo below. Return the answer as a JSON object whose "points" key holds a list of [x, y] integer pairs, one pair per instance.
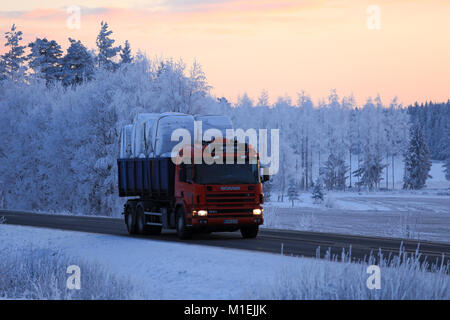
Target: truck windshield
{"points": [[227, 174]]}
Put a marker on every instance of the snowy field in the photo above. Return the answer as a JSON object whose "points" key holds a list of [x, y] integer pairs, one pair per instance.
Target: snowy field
{"points": [[422, 214], [122, 267]]}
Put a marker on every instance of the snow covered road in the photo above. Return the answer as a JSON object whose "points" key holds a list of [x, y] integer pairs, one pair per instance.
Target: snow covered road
{"points": [[297, 243]]}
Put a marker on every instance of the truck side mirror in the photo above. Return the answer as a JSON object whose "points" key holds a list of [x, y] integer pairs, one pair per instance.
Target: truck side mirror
{"points": [[265, 176]]}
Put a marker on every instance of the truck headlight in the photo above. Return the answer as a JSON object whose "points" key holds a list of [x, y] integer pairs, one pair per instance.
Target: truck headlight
{"points": [[257, 212], [202, 213]]}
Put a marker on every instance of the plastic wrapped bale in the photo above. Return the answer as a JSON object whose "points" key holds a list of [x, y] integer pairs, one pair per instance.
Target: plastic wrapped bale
{"points": [[125, 142], [218, 122], [142, 123], [165, 126]]}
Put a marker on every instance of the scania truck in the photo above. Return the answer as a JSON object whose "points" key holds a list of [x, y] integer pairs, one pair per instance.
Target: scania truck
{"points": [[193, 196]]}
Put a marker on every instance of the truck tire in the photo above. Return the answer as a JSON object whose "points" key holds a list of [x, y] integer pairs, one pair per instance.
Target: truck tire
{"points": [[130, 221], [142, 228], [249, 232], [182, 231]]}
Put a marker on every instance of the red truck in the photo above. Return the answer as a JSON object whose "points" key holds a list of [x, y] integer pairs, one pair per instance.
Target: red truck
{"points": [[193, 197]]}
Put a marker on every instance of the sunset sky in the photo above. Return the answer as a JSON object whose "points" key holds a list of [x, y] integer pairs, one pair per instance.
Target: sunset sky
{"points": [[281, 46]]}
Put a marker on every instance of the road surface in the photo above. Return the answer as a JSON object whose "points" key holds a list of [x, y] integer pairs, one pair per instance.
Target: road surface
{"points": [[297, 243]]}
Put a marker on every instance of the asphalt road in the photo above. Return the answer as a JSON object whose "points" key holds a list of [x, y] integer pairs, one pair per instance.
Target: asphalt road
{"points": [[297, 243]]}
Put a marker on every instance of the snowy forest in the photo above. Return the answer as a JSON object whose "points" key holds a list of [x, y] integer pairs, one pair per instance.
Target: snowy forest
{"points": [[62, 112]]}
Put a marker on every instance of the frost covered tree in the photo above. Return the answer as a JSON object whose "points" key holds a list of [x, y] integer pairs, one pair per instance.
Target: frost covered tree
{"points": [[14, 58], [417, 160], [293, 193], [263, 100], [333, 173], [125, 53], [45, 59], [447, 168], [370, 172], [396, 124], [447, 151], [77, 64], [372, 144], [106, 50], [317, 193], [3, 74], [434, 119], [197, 88], [268, 188]]}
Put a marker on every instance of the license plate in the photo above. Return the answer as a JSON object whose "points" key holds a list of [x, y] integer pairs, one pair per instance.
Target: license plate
{"points": [[231, 221]]}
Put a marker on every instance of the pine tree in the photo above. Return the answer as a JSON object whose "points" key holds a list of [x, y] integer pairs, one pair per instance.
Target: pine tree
{"points": [[15, 58], [3, 74], [263, 100], [293, 191], [125, 54], [106, 50], [447, 168], [78, 65], [45, 59], [417, 160], [317, 193], [370, 171], [334, 173], [447, 151]]}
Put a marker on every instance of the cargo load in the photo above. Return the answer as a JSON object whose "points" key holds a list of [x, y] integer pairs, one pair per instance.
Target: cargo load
{"points": [[125, 142], [141, 134], [164, 126], [217, 122], [150, 134]]}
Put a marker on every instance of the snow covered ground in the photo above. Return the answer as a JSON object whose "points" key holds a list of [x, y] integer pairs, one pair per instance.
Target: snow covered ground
{"points": [[422, 214], [161, 270]]}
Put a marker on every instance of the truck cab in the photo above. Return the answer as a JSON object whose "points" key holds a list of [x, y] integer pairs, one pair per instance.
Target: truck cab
{"points": [[219, 196]]}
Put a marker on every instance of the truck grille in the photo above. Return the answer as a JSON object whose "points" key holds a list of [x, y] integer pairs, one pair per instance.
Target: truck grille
{"points": [[230, 204], [230, 199]]}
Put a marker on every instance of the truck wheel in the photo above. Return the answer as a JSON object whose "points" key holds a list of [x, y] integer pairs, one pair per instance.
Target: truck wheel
{"points": [[142, 228], [140, 220], [130, 221], [182, 231], [249, 232]]}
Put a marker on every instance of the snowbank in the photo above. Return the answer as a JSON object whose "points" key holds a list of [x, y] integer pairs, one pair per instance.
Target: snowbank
{"points": [[162, 270], [421, 215]]}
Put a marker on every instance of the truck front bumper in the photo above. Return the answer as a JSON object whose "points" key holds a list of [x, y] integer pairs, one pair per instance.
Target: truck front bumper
{"points": [[226, 222]]}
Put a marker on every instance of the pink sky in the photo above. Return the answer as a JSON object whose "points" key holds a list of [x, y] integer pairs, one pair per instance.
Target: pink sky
{"points": [[281, 46]]}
